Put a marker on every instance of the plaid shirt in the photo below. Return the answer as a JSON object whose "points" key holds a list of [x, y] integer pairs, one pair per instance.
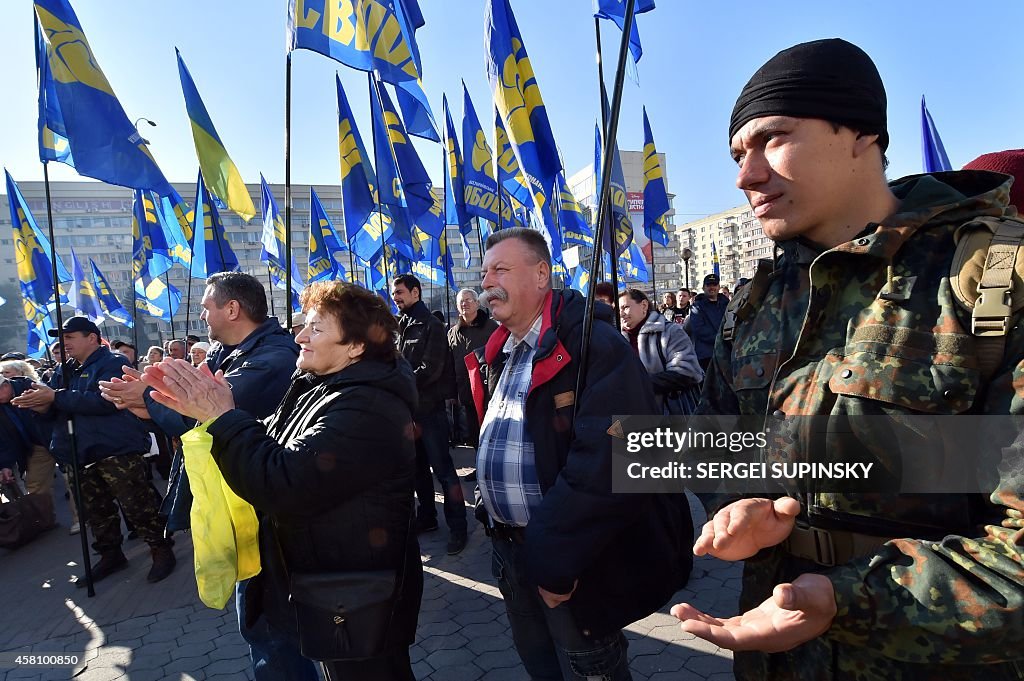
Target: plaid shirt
{"points": [[506, 470]]}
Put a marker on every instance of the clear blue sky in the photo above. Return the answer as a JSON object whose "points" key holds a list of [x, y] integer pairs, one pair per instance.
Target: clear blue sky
{"points": [[697, 56]]}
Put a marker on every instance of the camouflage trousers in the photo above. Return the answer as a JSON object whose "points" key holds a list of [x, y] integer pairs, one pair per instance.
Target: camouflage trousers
{"points": [[120, 478]]}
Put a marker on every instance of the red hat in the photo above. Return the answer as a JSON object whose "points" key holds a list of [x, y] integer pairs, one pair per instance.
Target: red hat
{"points": [[1009, 162]]}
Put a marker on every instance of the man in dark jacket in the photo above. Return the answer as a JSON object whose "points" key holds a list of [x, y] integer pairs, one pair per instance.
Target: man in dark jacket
{"points": [[110, 446], [19, 433], [421, 340], [705, 318], [258, 358], [472, 330], [575, 562]]}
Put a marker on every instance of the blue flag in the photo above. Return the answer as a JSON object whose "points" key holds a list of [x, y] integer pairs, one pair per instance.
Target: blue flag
{"points": [[436, 264], [510, 175], [575, 229], [112, 307], [655, 193], [408, 168], [632, 264], [455, 190], [358, 183], [369, 35], [156, 298], [714, 259], [619, 205], [39, 322], [580, 279], [175, 219], [934, 153], [616, 11], [82, 295], [323, 244], [211, 252], [416, 111], [272, 250], [53, 137], [392, 191], [480, 189], [149, 248], [104, 142], [32, 251], [519, 102]]}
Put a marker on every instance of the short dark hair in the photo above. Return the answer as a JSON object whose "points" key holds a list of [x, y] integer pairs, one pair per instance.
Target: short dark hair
{"points": [[244, 288], [409, 281], [533, 239], [681, 289], [605, 289], [636, 295], [363, 316]]}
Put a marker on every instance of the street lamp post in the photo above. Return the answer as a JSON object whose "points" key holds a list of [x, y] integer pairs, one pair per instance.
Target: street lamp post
{"points": [[141, 138], [687, 254]]}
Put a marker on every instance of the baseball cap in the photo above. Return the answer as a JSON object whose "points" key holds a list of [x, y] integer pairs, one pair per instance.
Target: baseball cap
{"points": [[711, 279], [77, 324], [13, 355]]}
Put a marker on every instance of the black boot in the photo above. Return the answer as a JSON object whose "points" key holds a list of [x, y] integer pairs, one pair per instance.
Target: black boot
{"points": [[109, 563], [163, 562]]}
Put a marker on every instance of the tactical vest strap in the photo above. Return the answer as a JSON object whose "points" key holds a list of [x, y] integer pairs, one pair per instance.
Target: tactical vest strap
{"points": [[746, 299], [987, 279]]}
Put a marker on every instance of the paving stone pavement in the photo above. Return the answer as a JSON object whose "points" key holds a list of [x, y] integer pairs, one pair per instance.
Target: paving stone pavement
{"points": [[132, 630]]}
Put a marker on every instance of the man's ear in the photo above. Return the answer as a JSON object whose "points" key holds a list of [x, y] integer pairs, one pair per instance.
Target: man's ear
{"points": [[863, 143]]}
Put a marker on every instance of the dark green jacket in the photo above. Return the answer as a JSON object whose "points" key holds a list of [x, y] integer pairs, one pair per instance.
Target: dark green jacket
{"points": [[945, 599]]}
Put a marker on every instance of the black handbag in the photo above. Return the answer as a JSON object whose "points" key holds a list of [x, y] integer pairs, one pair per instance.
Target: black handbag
{"points": [[681, 402], [344, 615]]}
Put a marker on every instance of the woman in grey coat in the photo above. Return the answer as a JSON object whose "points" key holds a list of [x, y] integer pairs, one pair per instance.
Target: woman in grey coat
{"points": [[665, 349]]}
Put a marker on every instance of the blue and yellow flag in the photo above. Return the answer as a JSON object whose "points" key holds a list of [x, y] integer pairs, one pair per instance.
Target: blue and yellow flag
{"points": [[435, 265], [519, 102], [39, 323], [481, 187], [455, 190], [632, 264], [619, 205], [222, 177], [272, 250], [407, 172], [715, 267], [156, 298], [510, 175], [580, 279], [104, 142], [369, 35], [416, 111], [575, 229], [358, 183], [211, 252], [149, 247], [175, 218], [32, 251], [323, 244], [82, 295], [53, 137], [112, 307], [655, 192]]}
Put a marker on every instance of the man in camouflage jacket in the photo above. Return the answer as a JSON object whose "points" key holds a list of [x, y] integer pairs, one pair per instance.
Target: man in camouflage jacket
{"points": [[857, 318]]}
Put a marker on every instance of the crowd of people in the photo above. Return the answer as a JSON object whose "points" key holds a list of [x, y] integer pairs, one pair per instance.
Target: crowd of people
{"points": [[342, 457]]}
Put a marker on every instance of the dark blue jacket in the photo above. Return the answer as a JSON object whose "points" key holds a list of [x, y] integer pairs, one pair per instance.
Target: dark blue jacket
{"points": [[629, 552], [19, 430], [101, 430], [259, 370], [703, 323]]}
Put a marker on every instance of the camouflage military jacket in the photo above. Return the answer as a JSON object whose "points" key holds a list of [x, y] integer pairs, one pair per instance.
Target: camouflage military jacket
{"points": [[947, 601]]}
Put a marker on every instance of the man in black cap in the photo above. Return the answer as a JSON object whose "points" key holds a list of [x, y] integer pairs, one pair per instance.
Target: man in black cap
{"points": [[706, 312], [110, 446], [859, 316]]}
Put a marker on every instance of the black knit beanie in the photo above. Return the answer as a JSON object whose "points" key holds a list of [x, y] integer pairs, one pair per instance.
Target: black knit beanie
{"points": [[831, 80]]}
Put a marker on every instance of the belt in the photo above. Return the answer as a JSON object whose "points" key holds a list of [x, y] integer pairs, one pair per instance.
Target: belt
{"points": [[830, 547], [509, 533]]}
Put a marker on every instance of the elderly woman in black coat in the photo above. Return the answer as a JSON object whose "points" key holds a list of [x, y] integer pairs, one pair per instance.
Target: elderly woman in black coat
{"points": [[331, 474]]}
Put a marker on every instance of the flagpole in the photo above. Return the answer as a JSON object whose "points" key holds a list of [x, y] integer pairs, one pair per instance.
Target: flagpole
{"points": [[605, 198], [287, 191], [167, 290], [192, 255], [613, 240], [65, 364], [135, 314], [654, 274], [270, 282], [444, 232], [380, 208]]}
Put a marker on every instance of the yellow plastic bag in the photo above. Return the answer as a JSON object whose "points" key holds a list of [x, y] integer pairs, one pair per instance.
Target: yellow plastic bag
{"points": [[224, 526]]}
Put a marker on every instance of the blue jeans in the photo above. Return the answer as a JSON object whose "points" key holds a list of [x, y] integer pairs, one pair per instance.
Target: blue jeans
{"points": [[432, 452], [549, 640], [274, 656]]}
